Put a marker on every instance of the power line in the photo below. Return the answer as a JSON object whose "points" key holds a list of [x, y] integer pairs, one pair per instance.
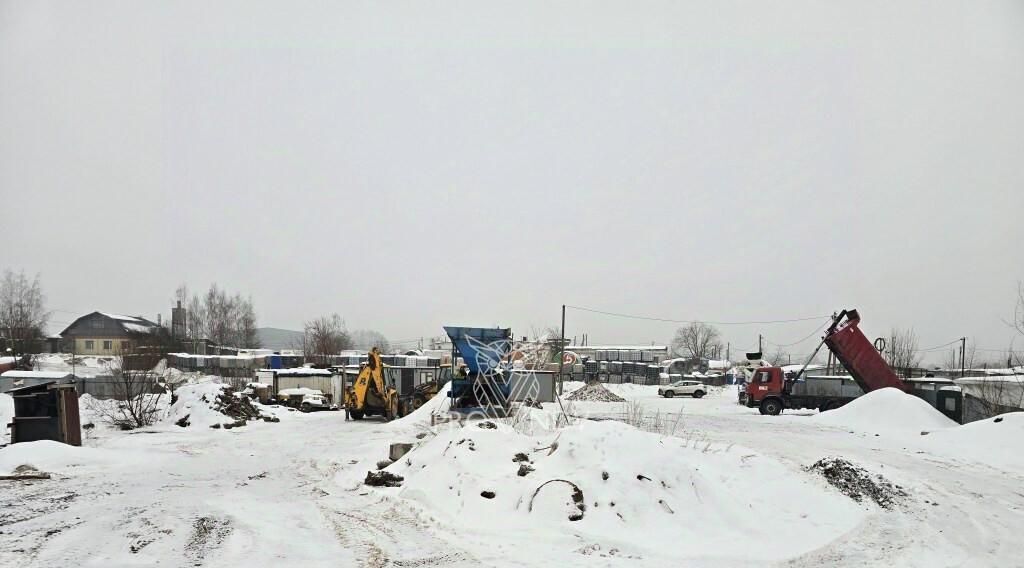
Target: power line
{"points": [[667, 320], [937, 346], [810, 335]]}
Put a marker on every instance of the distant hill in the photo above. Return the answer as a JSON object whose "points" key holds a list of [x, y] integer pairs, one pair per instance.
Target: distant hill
{"points": [[274, 338]]}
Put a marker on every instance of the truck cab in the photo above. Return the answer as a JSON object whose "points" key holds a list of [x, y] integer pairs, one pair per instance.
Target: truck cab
{"points": [[765, 385]]}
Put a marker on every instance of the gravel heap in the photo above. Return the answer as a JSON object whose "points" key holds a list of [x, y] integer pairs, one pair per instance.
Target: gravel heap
{"points": [[595, 392], [856, 483]]}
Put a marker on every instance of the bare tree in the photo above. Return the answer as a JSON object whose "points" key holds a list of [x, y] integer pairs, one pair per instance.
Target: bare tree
{"points": [[325, 336], [136, 388], [23, 316], [901, 351], [780, 357], [223, 319], [246, 323], [992, 395], [697, 341], [1018, 312], [368, 338]]}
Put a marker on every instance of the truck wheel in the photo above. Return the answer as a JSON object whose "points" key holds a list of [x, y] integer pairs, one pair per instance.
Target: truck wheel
{"points": [[356, 414], [771, 407], [830, 405], [669, 394], [418, 400], [306, 407], [698, 394]]}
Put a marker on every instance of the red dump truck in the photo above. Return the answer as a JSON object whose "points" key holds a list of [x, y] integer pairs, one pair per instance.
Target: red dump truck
{"points": [[771, 391]]}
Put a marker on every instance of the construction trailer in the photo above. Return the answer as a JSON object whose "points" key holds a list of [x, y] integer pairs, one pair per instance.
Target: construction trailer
{"points": [[326, 381], [46, 411]]}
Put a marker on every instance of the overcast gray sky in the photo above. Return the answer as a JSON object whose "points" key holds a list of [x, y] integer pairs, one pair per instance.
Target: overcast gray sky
{"points": [[417, 164]]}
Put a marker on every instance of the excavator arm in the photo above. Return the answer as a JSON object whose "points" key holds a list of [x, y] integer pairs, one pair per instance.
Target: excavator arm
{"points": [[370, 393]]}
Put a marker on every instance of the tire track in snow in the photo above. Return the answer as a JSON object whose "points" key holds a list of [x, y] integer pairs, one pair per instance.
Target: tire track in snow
{"points": [[378, 530]]}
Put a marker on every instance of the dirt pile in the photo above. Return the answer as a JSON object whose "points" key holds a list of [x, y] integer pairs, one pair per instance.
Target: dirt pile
{"points": [[25, 472], [383, 479], [856, 483], [595, 392]]}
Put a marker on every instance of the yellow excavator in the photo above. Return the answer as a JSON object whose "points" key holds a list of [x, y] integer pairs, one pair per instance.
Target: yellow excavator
{"points": [[371, 395]]}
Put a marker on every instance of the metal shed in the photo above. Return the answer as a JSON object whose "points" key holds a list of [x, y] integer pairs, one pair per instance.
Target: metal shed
{"points": [[46, 411]]}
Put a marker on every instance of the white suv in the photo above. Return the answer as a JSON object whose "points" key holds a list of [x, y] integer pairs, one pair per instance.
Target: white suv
{"points": [[696, 389]]}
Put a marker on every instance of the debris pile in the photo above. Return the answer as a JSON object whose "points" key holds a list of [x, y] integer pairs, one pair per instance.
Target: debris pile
{"points": [[383, 479], [25, 472], [595, 392], [214, 405], [856, 483]]}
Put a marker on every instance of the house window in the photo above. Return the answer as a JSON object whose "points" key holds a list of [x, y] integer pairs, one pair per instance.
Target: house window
{"points": [[108, 345], [90, 344], [97, 324], [124, 345]]}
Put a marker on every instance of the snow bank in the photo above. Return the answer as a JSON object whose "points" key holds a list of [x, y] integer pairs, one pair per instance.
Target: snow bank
{"points": [[421, 416], [83, 365], [299, 391], [888, 410], [993, 441], [52, 457], [603, 485]]}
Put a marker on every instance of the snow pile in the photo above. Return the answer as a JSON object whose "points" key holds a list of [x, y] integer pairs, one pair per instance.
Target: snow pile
{"points": [[421, 416], [992, 441], [53, 457], [608, 486], [887, 409], [595, 392], [81, 366], [211, 405], [299, 392]]}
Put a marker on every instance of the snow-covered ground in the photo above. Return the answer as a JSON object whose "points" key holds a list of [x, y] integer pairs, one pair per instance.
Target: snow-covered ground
{"points": [[80, 365], [704, 483]]}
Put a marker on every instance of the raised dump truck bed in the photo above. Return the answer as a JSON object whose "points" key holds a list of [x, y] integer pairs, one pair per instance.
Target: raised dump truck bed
{"points": [[853, 349]]}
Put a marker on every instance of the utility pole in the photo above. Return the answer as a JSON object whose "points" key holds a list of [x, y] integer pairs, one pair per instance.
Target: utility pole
{"points": [[728, 348], [561, 353], [760, 338], [963, 353]]}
